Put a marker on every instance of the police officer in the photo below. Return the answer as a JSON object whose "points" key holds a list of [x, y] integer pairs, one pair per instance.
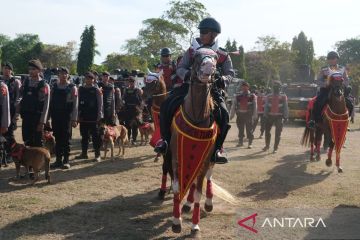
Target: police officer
{"points": [[14, 86], [276, 112], [34, 105], [4, 109], [209, 29], [133, 109], [322, 80], [260, 96], [90, 113], [246, 113], [109, 99], [168, 66], [63, 114]]}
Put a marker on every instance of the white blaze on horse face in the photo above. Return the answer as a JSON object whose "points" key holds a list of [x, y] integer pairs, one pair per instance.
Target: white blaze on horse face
{"points": [[207, 69]]}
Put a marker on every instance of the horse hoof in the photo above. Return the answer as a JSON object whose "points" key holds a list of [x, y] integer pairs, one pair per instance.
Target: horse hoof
{"points": [[161, 194], [156, 159], [328, 162], [208, 208], [312, 159], [185, 209], [195, 233], [340, 170], [176, 228]]}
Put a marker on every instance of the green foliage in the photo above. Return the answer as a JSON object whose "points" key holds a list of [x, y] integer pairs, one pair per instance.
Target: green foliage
{"points": [[231, 46], [304, 50], [121, 61], [20, 50], [87, 50], [55, 56], [187, 14], [349, 50]]}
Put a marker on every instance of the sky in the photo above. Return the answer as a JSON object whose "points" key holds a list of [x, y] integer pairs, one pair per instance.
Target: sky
{"points": [[61, 21]]}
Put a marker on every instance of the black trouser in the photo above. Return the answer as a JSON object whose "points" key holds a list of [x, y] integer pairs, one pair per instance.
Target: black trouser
{"points": [[271, 120], [349, 105], [174, 101], [319, 104], [87, 129], [9, 135], [31, 136], [244, 120], [132, 121], [108, 117], [61, 125], [262, 123]]}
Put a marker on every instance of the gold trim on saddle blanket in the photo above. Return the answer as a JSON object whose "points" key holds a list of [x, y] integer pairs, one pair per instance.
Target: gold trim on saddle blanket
{"points": [[193, 144], [338, 126]]}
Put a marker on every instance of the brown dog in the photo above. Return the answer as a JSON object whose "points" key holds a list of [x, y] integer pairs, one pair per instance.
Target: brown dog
{"points": [[146, 130], [114, 134], [36, 157], [49, 142]]}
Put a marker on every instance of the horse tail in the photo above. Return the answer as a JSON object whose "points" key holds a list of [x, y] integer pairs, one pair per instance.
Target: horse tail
{"points": [[306, 136], [221, 193]]}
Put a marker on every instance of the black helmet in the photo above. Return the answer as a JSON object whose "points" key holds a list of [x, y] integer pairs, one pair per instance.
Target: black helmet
{"points": [[210, 23], [332, 55], [165, 51]]}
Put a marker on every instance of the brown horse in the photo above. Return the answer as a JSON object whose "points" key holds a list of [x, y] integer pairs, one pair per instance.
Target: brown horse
{"points": [[155, 88], [334, 124], [195, 116]]}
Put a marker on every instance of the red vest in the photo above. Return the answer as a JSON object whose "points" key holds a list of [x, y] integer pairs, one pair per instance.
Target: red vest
{"points": [[245, 101], [168, 71], [276, 104]]}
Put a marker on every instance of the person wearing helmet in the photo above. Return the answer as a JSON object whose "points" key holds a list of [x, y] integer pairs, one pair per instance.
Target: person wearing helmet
{"points": [[276, 112], [325, 72], [168, 66], [209, 30]]}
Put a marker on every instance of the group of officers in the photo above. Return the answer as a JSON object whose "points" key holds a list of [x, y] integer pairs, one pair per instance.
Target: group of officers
{"points": [[67, 105]]}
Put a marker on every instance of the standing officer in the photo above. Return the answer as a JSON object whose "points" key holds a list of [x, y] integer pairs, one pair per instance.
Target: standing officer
{"points": [[34, 105], [261, 96], [209, 30], [63, 114], [276, 112], [168, 66], [4, 109], [246, 112], [322, 80], [133, 109], [14, 86], [90, 113], [109, 99]]}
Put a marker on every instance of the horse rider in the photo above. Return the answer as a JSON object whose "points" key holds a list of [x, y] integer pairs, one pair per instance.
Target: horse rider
{"points": [[209, 30], [276, 112], [13, 86], [246, 113], [168, 66], [64, 115], [89, 114], [133, 108], [322, 97], [34, 105], [109, 98]]}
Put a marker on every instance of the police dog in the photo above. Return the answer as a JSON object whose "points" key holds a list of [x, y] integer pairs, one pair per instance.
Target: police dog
{"points": [[37, 158], [113, 134], [146, 130]]}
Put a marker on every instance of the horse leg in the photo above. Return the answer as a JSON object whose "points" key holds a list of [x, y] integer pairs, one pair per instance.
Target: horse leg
{"points": [[112, 149], [330, 151], [209, 192], [162, 191], [318, 157], [312, 152], [339, 168], [195, 229], [157, 157], [176, 226], [105, 149], [190, 199]]}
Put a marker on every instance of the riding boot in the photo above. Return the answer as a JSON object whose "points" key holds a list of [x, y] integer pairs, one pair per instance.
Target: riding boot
{"points": [[58, 162], [218, 157]]}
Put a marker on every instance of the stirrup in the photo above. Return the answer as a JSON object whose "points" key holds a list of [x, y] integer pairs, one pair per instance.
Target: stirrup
{"points": [[161, 147]]}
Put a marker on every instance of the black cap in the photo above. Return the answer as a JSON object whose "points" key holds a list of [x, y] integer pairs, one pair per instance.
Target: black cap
{"points": [[210, 23], [90, 75], [165, 52], [106, 73], [63, 69], [332, 55], [8, 65], [36, 64]]}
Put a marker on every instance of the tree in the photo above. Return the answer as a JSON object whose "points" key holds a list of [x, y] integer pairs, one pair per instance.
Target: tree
{"points": [[233, 46], [3, 41], [304, 50], [349, 50], [156, 34], [230, 46], [55, 56], [121, 61], [87, 50], [20, 50], [187, 14], [242, 68]]}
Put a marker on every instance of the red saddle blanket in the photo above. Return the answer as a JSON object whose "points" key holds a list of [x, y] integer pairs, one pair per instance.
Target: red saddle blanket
{"points": [[155, 112], [194, 145], [338, 126]]}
